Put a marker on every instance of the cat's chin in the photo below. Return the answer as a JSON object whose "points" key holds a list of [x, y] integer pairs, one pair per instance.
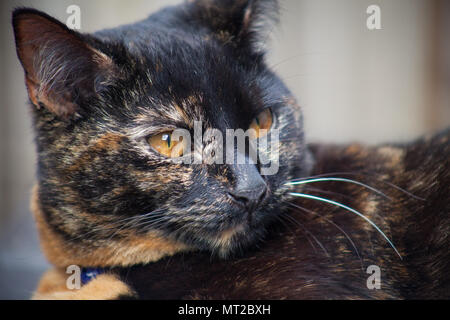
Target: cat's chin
{"points": [[225, 237], [235, 240]]}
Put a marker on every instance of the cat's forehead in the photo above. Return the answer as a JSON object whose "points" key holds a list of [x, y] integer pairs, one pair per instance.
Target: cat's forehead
{"points": [[191, 85]]}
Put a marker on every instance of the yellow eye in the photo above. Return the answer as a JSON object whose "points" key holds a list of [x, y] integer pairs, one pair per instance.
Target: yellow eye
{"points": [[262, 123], [164, 144]]}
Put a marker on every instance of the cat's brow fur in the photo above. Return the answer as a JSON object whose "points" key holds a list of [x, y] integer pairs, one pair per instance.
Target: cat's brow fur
{"points": [[105, 198]]}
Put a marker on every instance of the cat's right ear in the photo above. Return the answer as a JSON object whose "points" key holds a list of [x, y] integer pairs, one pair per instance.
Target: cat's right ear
{"points": [[61, 68], [242, 23]]}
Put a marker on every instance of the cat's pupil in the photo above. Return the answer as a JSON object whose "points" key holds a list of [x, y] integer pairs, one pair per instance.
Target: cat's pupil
{"points": [[166, 137]]}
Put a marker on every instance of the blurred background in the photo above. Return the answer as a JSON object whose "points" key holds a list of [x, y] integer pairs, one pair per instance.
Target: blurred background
{"points": [[354, 84]]}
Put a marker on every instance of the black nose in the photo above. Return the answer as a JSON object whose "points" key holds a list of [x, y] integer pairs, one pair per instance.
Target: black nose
{"points": [[250, 187], [249, 198]]}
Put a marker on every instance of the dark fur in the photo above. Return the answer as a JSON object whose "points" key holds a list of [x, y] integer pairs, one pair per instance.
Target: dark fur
{"points": [[203, 61]]}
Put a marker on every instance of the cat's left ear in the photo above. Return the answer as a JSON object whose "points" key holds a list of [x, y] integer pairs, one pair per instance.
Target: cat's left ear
{"points": [[61, 68], [243, 23]]}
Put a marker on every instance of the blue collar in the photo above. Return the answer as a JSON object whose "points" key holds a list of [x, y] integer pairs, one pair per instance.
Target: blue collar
{"points": [[88, 274]]}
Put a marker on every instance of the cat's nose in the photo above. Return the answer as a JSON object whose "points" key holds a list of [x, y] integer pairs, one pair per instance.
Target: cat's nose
{"points": [[250, 187], [249, 198]]}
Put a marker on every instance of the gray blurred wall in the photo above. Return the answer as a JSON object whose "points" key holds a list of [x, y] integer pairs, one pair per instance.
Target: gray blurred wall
{"points": [[353, 84]]}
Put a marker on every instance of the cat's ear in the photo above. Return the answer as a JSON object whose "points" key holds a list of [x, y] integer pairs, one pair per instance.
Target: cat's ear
{"points": [[243, 23], [61, 69]]}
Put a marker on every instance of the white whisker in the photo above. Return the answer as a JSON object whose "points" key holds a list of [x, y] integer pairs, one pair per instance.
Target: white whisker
{"points": [[285, 224], [302, 195], [332, 223], [293, 183], [287, 216], [367, 174]]}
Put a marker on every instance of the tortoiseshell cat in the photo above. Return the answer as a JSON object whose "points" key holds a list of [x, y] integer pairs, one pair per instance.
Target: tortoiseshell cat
{"points": [[110, 196]]}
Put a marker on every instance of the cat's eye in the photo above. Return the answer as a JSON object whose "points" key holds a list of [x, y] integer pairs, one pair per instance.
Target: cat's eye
{"points": [[262, 123], [165, 145]]}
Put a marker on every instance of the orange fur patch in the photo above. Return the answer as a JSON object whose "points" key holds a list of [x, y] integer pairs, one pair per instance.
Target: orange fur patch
{"points": [[109, 141], [104, 287], [393, 155]]}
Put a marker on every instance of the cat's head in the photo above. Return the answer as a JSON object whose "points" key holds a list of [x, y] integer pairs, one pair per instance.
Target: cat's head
{"points": [[105, 106]]}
